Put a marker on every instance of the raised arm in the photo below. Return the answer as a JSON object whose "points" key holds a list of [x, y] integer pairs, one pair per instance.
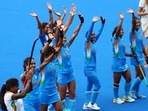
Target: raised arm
{"points": [[119, 25], [45, 48], [27, 87], [49, 6], [101, 29], [59, 32], [130, 11], [76, 31], [33, 14], [49, 54], [58, 26], [89, 32], [70, 18], [64, 13], [59, 14]]}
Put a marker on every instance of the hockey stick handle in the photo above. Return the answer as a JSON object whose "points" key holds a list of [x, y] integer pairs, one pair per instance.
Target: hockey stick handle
{"points": [[139, 66], [32, 50], [31, 55]]}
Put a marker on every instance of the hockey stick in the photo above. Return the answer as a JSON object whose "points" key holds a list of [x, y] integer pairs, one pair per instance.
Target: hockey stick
{"points": [[139, 66], [32, 50], [31, 55]]}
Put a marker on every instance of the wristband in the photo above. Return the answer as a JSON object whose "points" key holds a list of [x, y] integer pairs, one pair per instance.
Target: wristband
{"points": [[49, 41], [50, 11]]}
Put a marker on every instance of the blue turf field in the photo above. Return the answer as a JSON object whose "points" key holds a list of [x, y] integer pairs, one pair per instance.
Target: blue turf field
{"points": [[18, 31]]}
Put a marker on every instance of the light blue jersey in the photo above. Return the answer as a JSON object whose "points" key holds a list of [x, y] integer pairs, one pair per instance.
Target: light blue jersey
{"points": [[90, 52], [32, 99], [65, 74], [48, 89], [119, 60], [64, 58], [48, 78], [137, 45]]}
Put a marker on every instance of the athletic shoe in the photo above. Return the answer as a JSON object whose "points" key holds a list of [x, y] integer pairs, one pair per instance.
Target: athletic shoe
{"points": [[128, 99], [139, 96], [146, 65], [118, 101], [93, 106], [132, 94], [66, 109], [85, 106]]}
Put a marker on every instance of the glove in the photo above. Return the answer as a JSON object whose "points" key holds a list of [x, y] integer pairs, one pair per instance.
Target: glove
{"points": [[102, 20], [81, 18]]}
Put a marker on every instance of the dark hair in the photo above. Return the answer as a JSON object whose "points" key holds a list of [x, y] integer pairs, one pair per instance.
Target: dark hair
{"points": [[26, 62], [2, 104], [54, 24], [87, 33], [44, 25], [6, 87], [49, 50]]}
